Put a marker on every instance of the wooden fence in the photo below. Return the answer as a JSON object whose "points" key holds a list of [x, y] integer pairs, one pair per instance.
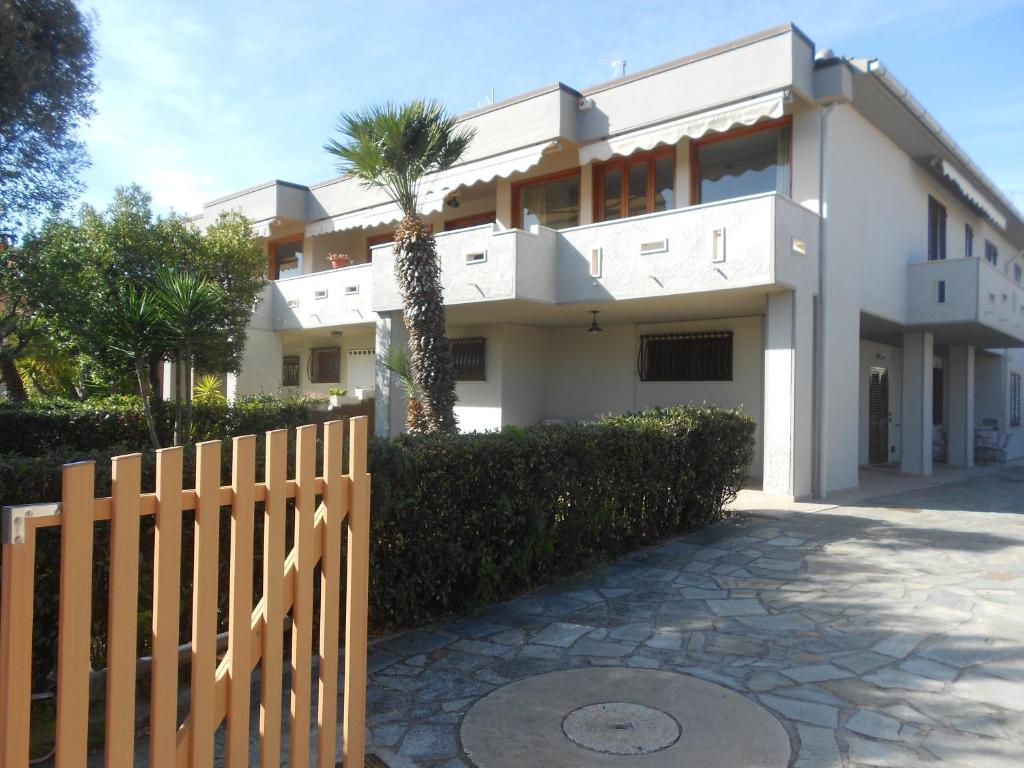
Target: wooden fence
{"points": [[221, 689]]}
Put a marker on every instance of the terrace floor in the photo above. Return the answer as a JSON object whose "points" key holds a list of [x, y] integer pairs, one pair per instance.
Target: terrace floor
{"points": [[885, 633]]}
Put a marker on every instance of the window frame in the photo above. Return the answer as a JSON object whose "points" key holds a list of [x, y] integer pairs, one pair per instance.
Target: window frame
{"points": [[695, 145], [938, 219], [624, 163], [313, 354], [991, 249], [968, 241], [727, 335], [273, 267], [286, 362], [470, 220], [1015, 394], [518, 186], [473, 374], [378, 239]]}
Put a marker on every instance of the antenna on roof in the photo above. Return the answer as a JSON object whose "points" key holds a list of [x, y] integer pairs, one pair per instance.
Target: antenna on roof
{"points": [[486, 101], [618, 66]]}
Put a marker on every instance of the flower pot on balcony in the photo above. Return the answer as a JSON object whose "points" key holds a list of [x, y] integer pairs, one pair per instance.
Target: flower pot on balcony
{"points": [[339, 260], [339, 400]]}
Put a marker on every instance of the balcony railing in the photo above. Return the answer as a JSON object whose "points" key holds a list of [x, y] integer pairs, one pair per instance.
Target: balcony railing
{"points": [[320, 299]]}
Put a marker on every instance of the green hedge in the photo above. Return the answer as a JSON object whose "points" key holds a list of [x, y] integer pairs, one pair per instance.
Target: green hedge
{"points": [[459, 522], [35, 428]]}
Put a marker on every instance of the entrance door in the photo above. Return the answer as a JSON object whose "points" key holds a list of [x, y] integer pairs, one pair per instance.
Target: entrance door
{"points": [[878, 417]]}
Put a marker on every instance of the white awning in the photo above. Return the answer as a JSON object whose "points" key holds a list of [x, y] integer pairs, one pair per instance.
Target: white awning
{"points": [[437, 190], [262, 228], [692, 126], [971, 193]]}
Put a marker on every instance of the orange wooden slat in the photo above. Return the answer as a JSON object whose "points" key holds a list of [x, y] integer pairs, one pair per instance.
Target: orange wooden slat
{"points": [[75, 618], [163, 705], [273, 599], [16, 605], [302, 606], [357, 597], [123, 607], [204, 602], [240, 601], [330, 595]]}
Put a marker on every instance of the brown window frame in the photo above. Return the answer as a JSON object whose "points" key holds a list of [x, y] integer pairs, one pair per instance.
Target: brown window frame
{"points": [[472, 220], [623, 163], [518, 186], [273, 267], [314, 355], [696, 144], [372, 240], [291, 363], [477, 355]]}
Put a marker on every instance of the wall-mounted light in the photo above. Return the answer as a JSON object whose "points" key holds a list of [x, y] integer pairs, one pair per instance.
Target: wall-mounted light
{"points": [[594, 327], [453, 201], [337, 333]]}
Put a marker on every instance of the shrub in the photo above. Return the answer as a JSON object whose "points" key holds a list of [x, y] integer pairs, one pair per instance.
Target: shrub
{"points": [[458, 522]]}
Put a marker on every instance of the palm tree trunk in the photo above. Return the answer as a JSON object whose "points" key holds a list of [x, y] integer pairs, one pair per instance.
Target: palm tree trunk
{"points": [[186, 426], [11, 377], [177, 401], [430, 356], [140, 374]]}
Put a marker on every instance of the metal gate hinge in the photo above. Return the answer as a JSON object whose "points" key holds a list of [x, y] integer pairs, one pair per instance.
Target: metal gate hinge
{"points": [[12, 519]]}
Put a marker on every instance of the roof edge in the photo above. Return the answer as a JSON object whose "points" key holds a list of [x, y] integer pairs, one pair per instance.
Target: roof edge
{"points": [[255, 188]]}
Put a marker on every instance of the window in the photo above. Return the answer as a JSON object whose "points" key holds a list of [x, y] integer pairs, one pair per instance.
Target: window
{"points": [[324, 365], [991, 253], [705, 356], [1014, 399], [473, 220], [968, 241], [634, 185], [373, 240], [290, 371], [552, 201], [936, 230], [937, 391], [744, 162], [469, 358], [941, 293], [286, 258], [1018, 274]]}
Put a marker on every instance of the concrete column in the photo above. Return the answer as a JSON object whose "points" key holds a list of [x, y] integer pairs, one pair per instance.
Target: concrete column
{"points": [[503, 203], [787, 424], [918, 360], [587, 194], [389, 395], [961, 406]]}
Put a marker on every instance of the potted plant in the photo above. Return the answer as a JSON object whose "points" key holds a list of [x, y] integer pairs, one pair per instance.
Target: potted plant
{"points": [[339, 396], [339, 260]]}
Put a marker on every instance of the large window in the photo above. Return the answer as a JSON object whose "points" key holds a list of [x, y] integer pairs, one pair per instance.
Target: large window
{"points": [[704, 356], [324, 365], [290, 371], [936, 230], [286, 258], [1014, 399], [745, 162], [552, 201], [634, 185], [469, 358]]}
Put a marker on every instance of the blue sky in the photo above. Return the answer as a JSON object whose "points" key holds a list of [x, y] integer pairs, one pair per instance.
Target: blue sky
{"points": [[200, 98]]}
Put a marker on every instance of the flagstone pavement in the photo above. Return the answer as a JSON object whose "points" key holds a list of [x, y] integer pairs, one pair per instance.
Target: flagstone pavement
{"points": [[890, 634]]}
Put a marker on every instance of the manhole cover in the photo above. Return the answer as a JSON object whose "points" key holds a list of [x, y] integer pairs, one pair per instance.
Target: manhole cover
{"points": [[621, 728]]}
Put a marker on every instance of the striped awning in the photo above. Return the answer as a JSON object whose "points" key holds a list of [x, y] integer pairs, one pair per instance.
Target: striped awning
{"points": [[765, 107], [971, 193]]}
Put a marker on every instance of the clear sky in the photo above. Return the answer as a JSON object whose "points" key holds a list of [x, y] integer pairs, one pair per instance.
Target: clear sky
{"points": [[200, 98]]}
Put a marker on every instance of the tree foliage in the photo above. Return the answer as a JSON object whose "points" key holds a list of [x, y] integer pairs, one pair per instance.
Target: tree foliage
{"points": [[46, 71], [395, 148]]}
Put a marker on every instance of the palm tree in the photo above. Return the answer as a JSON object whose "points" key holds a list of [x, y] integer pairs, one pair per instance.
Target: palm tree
{"points": [[395, 148], [397, 361], [189, 308]]}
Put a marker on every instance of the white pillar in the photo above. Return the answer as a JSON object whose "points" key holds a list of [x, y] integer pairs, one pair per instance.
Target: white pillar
{"points": [[787, 425], [918, 361], [961, 406], [389, 396]]}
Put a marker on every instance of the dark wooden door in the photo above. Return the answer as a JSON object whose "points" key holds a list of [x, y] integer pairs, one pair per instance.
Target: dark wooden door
{"points": [[878, 417]]}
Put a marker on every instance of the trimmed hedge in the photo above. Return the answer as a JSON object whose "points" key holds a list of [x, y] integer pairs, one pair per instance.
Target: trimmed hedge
{"points": [[459, 522]]}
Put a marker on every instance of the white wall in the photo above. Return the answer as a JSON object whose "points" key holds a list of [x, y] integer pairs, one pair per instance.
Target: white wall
{"points": [[478, 408], [301, 344]]}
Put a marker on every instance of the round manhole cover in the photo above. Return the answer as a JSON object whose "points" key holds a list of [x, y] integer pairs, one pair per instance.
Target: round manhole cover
{"points": [[621, 728]]}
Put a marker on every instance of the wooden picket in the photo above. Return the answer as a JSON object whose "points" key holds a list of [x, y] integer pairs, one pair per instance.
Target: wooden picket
{"points": [[220, 689]]}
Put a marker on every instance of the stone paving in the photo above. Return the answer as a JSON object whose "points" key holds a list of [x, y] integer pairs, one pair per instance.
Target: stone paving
{"points": [[884, 635]]}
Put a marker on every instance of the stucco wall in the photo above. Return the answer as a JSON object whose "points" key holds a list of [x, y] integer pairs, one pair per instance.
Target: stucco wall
{"points": [[295, 344]]}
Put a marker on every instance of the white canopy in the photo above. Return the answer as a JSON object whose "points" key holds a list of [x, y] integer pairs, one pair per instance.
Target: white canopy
{"points": [[262, 228], [692, 127], [973, 195], [434, 193]]}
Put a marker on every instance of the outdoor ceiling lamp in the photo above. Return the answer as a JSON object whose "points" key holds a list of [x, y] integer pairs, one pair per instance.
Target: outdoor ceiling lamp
{"points": [[594, 327]]}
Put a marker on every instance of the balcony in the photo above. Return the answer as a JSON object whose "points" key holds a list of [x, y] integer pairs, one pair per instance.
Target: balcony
{"points": [[966, 301], [759, 241], [480, 264], [322, 299]]}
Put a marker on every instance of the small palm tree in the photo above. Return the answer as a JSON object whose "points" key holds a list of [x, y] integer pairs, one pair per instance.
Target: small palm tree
{"points": [[395, 148], [397, 361], [135, 329]]}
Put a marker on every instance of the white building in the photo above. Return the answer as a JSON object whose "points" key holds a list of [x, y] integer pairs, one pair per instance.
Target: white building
{"points": [[757, 226]]}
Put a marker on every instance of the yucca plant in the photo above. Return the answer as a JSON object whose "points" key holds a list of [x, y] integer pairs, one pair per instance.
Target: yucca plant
{"points": [[209, 389], [395, 148]]}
